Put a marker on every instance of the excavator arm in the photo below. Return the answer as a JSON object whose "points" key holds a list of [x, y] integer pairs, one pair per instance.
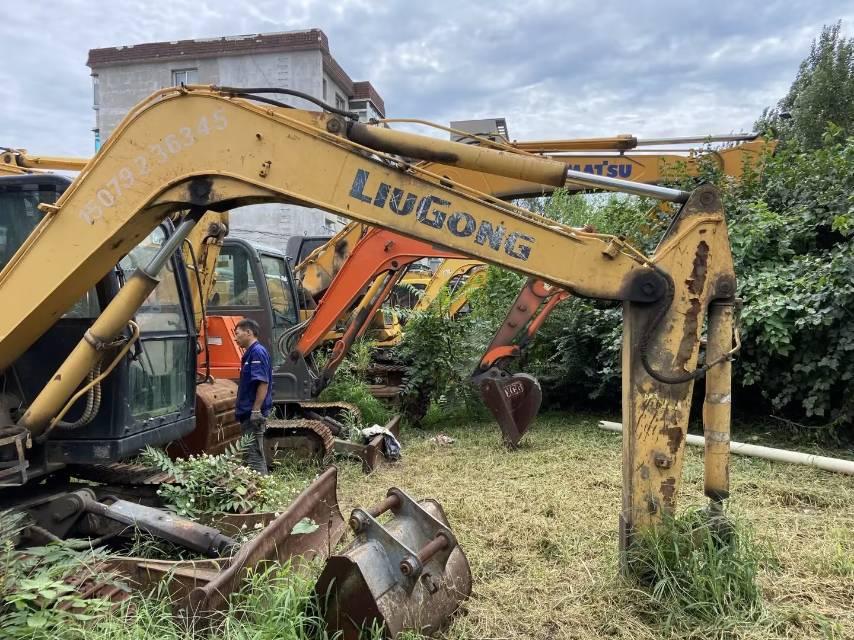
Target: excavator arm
{"points": [[450, 269], [23, 161], [203, 242], [514, 400], [316, 271], [195, 149], [381, 255], [536, 300]]}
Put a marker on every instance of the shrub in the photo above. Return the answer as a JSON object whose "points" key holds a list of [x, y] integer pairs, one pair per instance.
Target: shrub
{"points": [[36, 601], [348, 385], [208, 484], [440, 353]]}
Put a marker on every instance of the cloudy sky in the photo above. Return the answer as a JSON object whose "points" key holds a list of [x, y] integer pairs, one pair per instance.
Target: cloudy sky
{"points": [[553, 69]]}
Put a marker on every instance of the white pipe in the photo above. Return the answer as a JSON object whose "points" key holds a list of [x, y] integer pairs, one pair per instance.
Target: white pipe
{"points": [[768, 453]]}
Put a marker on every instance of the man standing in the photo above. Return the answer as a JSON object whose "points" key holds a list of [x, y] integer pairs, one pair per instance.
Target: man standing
{"points": [[254, 392]]}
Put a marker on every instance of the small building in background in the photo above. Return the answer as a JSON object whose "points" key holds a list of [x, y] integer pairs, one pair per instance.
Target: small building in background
{"points": [[301, 60]]}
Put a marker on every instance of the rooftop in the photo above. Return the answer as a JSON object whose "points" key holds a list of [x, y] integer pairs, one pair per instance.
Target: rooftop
{"points": [[306, 40], [210, 47]]}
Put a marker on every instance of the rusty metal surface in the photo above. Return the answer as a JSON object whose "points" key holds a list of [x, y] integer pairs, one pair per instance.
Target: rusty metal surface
{"points": [[99, 581], [409, 574], [233, 524], [372, 454], [180, 576], [203, 586], [513, 400], [319, 502], [13, 463], [216, 426]]}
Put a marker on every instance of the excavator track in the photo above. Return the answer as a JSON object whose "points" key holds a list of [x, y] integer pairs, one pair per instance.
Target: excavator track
{"points": [[386, 380], [306, 438], [121, 473], [332, 408]]}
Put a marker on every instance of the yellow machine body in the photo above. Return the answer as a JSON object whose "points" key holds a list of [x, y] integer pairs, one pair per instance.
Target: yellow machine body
{"points": [[195, 148]]}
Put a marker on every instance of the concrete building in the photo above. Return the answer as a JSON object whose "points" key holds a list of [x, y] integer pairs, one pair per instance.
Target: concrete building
{"points": [[300, 60]]}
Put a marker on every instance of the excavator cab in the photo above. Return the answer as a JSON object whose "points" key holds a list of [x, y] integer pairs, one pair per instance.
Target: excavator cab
{"points": [[148, 399], [299, 247], [252, 282]]}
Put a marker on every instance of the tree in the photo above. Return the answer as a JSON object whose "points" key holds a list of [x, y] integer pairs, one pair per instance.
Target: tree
{"points": [[822, 93]]}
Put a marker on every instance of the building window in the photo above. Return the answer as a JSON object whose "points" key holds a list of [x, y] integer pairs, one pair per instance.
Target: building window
{"points": [[339, 102], [96, 92], [184, 76], [324, 88], [97, 133]]}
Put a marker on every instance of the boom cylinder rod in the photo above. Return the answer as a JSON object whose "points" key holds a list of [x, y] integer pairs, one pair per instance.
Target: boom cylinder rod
{"points": [[718, 401], [626, 186], [739, 137], [104, 330]]}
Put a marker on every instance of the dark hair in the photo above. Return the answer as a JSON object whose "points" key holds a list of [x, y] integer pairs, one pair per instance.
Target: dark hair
{"points": [[248, 324]]}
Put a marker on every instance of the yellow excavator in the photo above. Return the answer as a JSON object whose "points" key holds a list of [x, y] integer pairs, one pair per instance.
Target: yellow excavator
{"points": [[460, 276], [417, 288], [197, 148], [203, 243]]}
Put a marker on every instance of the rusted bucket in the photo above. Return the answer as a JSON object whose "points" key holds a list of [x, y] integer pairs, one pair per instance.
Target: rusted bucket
{"points": [[201, 587], [513, 400], [409, 574], [216, 426], [276, 543]]}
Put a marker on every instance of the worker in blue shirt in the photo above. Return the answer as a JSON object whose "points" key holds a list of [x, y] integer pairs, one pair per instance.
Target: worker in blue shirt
{"points": [[254, 392]]}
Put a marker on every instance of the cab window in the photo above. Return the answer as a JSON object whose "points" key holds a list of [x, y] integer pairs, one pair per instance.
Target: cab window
{"points": [[160, 375], [279, 288], [235, 285]]}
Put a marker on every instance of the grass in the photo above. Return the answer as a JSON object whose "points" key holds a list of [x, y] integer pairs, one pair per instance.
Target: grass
{"points": [[699, 570], [276, 605], [539, 527]]}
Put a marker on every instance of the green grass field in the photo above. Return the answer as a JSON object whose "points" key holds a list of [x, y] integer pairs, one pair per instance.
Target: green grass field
{"points": [[539, 526]]}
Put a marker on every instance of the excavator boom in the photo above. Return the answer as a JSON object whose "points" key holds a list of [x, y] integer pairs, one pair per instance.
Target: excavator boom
{"points": [[447, 274], [195, 149]]}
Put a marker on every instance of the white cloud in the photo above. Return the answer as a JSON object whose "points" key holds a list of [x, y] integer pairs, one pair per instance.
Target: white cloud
{"points": [[553, 69]]}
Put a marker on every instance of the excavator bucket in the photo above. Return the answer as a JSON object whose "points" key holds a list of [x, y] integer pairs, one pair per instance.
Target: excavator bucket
{"points": [[513, 400], [406, 574], [216, 426], [277, 543]]}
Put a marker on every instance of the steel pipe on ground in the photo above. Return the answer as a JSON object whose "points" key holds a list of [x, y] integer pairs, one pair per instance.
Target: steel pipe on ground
{"points": [[837, 465]]}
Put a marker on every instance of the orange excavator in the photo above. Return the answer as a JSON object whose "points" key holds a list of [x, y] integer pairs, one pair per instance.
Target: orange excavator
{"points": [[380, 256]]}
